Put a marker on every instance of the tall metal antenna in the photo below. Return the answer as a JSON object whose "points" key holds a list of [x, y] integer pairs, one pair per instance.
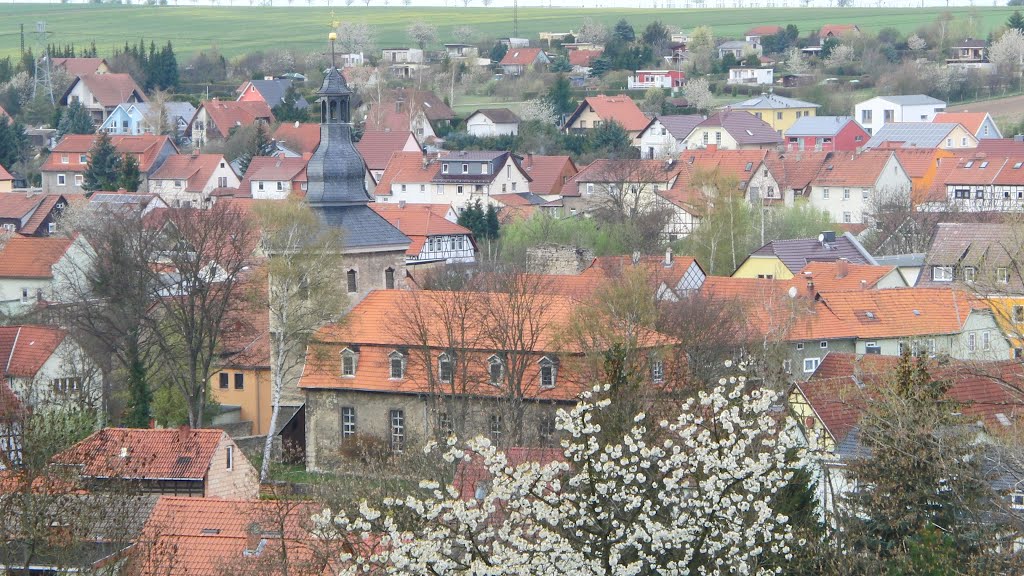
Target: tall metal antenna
{"points": [[43, 72], [515, 18]]}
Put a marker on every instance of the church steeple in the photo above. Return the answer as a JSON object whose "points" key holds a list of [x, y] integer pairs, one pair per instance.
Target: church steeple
{"points": [[334, 94]]}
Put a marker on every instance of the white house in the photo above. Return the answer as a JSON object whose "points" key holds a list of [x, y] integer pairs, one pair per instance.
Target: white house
{"points": [[666, 136], [457, 179], [848, 184], [434, 234], [644, 79], [189, 179], [36, 269], [490, 122], [761, 76], [402, 56], [874, 113], [274, 178], [46, 368]]}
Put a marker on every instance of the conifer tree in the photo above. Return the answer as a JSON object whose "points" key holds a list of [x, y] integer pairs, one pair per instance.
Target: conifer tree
{"points": [[103, 170], [129, 176], [74, 120]]}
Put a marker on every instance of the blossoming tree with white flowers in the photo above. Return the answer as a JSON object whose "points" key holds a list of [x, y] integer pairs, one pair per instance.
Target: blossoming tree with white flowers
{"points": [[690, 495]]}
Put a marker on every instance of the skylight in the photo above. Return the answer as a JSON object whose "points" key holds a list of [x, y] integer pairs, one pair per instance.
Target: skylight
{"points": [[749, 133], [749, 166], [969, 164], [1018, 165], [984, 165]]}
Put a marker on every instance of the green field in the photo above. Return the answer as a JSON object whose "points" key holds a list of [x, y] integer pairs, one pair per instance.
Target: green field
{"points": [[242, 28]]}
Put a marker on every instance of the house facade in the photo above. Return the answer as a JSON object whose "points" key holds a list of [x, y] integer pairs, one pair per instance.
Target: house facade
{"points": [[733, 130], [190, 179], [215, 119], [37, 270], [665, 136], [644, 79], [519, 60], [826, 134], [63, 172], [492, 122], [751, 76], [435, 236], [594, 111], [144, 118], [848, 184], [876, 112], [779, 112], [100, 94], [46, 369]]}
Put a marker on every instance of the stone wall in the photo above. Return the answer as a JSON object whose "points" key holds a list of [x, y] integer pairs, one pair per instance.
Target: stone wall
{"points": [[370, 275], [240, 482], [559, 259]]}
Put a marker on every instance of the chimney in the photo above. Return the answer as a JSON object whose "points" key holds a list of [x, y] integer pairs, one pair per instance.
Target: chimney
{"points": [[183, 432], [809, 276], [297, 123], [401, 203], [712, 147], [668, 257], [842, 268], [863, 284]]}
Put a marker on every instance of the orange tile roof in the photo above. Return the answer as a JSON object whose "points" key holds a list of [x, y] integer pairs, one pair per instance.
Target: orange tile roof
{"points": [[970, 120], [583, 57], [211, 537], [419, 222], [766, 30], [377, 146], [547, 172], [406, 168], [795, 170], [916, 161], [226, 114], [836, 29], [520, 56], [32, 257], [5, 176], [894, 313], [195, 169], [740, 164], [849, 169], [45, 208], [109, 89], [146, 147], [273, 168], [303, 138], [621, 109], [25, 348], [143, 453], [79, 66], [826, 276], [18, 206]]}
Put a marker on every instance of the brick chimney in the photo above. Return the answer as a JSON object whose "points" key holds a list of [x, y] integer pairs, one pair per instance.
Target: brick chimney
{"points": [[842, 268], [809, 276], [668, 257], [712, 147], [183, 433]]}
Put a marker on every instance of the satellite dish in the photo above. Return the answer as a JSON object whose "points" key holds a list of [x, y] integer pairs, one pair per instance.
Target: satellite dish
{"points": [[821, 237], [792, 291]]}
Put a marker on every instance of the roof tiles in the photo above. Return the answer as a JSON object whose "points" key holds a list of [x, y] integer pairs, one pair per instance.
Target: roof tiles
{"points": [[143, 453]]}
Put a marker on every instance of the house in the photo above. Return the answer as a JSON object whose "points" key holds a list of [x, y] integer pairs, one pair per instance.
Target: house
{"points": [[596, 110], [923, 166], [731, 130], [740, 49], [377, 147], [460, 51], [35, 270], [300, 138], [784, 176], [351, 60], [849, 184], [926, 135], [12, 415], [840, 275], [270, 90], [215, 119], [45, 369], [755, 34], [406, 110], [142, 203], [783, 259], [876, 112], [195, 462], [518, 60], [31, 213], [210, 537], [833, 401], [63, 172], [582, 60], [144, 118], [838, 30], [189, 179], [274, 178], [825, 134], [6, 181], [100, 94], [524, 205], [665, 136], [645, 79], [466, 176], [779, 112], [402, 56], [435, 238], [980, 124], [373, 377], [515, 42], [748, 76], [548, 174], [969, 53], [408, 178], [492, 122], [80, 66]]}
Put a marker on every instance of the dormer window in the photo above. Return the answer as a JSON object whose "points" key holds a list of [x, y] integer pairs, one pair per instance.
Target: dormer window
{"points": [[548, 372], [444, 368], [444, 168], [495, 370], [483, 168], [1003, 275], [349, 360], [396, 361], [465, 168]]}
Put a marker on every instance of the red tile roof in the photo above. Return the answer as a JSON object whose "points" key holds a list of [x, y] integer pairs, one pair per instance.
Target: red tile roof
{"points": [[826, 276], [836, 29], [79, 66], [32, 257], [766, 30], [406, 168], [273, 168], [109, 89], [621, 109], [46, 207], [547, 172], [377, 146], [520, 56], [195, 169], [146, 147], [849, 169], [419, 222], [25, 348], [18, 206], [226, 114], [583, 57], [970, 120], [142, 453], [795, 170], [5, 176], [302, 138]]}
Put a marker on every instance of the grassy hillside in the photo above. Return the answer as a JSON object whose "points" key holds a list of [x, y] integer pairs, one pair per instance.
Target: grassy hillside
{"points": [[240, 29]]}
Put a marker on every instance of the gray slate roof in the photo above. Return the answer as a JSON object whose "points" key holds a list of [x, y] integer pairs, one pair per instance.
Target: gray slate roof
{"points": [[914, 100], [681, 125], [273, 91], [175, 110], [362, 227], [911, 134], [744, 127], [772, 101], [795, 254], [818, 125], [498, 115]]}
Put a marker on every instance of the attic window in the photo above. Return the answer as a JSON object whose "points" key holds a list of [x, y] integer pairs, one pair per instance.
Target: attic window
{"points": [[969, 164], [917, 312], [1018, 165], [210, 531], [984, 165], [184, 460], [870, 315], [749, 164]]}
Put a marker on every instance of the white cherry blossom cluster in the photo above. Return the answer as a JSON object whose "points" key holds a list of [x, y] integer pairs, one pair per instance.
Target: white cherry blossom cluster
{"points": [[692, 495]]}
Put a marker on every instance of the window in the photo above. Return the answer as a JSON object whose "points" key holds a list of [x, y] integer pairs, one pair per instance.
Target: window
{"points": [[351, 278], [444, 424], [547, 373], [865, 116], [483, 168], [64, 159], [224, 380], [1017, 500], [177, 184], [799, 345], [25, 295], [657, 371], [239, 381], [931, 346], [231, 458], [259, 185], [942, 273], [61, 179], [963, 143], [348, 422], [787, 366], [1002, 275], [495, 370], [465, 168], [458, 189], [590, 187], [389, 278], [348, 363], [949, 142], [397, 364], [444, 168], [847, 218], [972, 342], [397, 420], [811, 364], [970, 273], [846, 193], [79, 179], [1018, 314], [444, 368], [824, 194], [546, 433], [823, 344], [495, 427], [864, 193], [718, 138], [66, 385], [280, 186]]}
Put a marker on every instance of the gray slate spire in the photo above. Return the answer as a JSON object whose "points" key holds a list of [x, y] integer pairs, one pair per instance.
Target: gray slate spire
{"points": [[336, 171]]}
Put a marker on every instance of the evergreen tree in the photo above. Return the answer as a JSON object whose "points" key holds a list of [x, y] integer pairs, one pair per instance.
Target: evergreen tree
{"points": [[623, 31], [655, 33], [104, 168], [287, 110], [74, 120], [1016, 21], [14, 144], [560, 95], [498, 52], [129, 176], [169, 62], [259, 145], [560, 64], [491, 224], [598, 66], [474, 218], [609, 138]]}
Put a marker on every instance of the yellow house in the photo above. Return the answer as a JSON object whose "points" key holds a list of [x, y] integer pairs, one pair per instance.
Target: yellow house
{"points": [[782, 259], [244, 378], [778, 112], [1009, 314]]}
